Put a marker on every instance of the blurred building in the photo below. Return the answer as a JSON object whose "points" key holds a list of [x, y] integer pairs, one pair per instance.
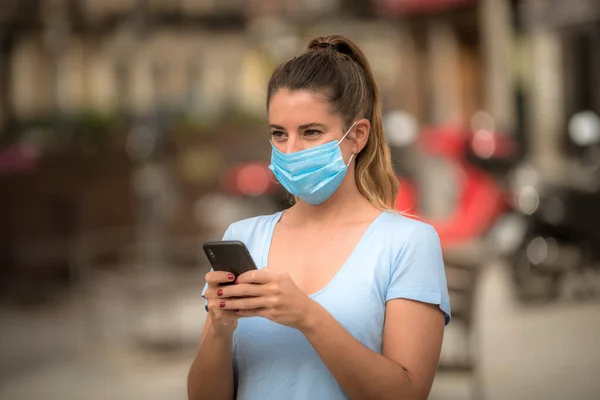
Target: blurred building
{"points": [[126, 56], [561, 77], [132, 56], [441, 60]]}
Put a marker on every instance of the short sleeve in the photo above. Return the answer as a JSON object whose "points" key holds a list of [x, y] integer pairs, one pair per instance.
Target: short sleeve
{"points": [[228, 235], [418, 273]]}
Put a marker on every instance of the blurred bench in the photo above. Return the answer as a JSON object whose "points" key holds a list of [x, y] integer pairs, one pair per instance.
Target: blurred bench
{"points": [[463, 267]]}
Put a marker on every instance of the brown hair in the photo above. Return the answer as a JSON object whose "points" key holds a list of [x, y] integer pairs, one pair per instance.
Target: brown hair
{"points": [[335, 67]]}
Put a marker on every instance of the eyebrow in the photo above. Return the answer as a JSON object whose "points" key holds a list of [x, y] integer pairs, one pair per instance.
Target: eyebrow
{"points": [[301, 127]]}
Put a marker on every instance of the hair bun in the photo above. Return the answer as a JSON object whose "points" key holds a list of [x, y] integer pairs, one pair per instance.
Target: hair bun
{"points": [[325, 45], [339, 47]]}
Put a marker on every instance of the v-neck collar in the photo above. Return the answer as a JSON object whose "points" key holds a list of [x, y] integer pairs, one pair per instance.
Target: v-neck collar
{"points": [[355, 252]]}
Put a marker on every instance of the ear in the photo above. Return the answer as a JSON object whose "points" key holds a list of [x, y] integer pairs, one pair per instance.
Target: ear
{"points": [[360, 134]]}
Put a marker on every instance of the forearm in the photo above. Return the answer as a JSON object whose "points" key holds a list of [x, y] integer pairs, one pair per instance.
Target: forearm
{"points": [[361, 372], [211, 374]]}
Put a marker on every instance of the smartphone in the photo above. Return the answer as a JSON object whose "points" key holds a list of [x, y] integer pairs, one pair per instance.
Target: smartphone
{"points": [[229, 256]]}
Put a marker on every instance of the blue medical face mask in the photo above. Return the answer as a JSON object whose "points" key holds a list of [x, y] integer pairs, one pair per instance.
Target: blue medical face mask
{"points": [[313, 174]]}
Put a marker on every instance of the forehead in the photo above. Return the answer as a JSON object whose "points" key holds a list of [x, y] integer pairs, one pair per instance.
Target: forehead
{"points": [[298, 107]]}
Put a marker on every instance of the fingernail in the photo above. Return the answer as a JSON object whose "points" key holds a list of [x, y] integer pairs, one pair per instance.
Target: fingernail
{"points": [[236, 281], [220, 292], [231, 277], [222, 304]]}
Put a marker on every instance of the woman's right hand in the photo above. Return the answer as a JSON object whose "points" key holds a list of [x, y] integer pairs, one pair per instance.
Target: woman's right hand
{"points": [[222, 321]]}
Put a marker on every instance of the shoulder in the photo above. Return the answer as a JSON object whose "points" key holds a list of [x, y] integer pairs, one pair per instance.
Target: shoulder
{"points": [[417, 271], [251, 226], [403, 231]]}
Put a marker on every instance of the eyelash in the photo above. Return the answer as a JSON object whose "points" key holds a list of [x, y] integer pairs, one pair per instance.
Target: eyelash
{"points": [[308, 133], [316, 132]]}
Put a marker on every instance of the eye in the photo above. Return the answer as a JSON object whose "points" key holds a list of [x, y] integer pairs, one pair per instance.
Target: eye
{"points": [[312, 133], [278, 135]]}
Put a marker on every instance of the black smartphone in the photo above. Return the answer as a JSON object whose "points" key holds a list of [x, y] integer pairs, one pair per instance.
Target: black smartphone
{"points": [[229, 256]]}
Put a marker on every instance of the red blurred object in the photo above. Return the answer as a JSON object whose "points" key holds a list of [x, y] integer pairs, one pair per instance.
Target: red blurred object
{"points": [[481, 199], [250, 179], [447, 142], [406, 7], [17, 159], [488, 144]]}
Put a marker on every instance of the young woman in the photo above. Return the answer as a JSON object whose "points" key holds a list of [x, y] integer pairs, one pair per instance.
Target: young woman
{"points": [[352, 300]]}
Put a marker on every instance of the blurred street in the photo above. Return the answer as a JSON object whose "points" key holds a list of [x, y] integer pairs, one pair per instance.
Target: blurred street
{"points": [[549, 353], [133, 131]]}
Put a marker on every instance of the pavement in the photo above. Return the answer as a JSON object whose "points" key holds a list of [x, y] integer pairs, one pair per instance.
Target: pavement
{"points": [[549, 352], [78, 349]]}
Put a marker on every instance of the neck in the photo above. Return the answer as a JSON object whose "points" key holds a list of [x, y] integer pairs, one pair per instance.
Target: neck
{"points": [[346, 203]]}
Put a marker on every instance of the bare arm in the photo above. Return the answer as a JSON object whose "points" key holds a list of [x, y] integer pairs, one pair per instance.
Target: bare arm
{"points": [[412, 342], [211, 373]]}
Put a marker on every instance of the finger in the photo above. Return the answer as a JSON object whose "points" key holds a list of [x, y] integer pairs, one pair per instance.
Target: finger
{"points": [[260, 276], [241, 290], [215, 309], [246, 303], [214, 278], [257, 312]]}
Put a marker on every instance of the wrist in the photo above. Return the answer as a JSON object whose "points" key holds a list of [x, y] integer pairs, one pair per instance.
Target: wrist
{"points": [[311, 318], [224, 334]]}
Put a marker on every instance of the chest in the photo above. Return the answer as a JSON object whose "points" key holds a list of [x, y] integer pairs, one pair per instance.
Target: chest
{"points": [[312, 258]]}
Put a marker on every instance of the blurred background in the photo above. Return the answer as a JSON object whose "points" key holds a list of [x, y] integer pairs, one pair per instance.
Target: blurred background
{"points": [[131, 131]]}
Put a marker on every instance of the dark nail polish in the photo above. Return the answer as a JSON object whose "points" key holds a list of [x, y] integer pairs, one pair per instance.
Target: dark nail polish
{"points": [[222, 304], [231, 277], [220, 292]]}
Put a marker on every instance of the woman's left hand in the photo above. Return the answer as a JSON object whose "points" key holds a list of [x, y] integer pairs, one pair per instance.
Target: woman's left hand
{"points": [[269, 294]]}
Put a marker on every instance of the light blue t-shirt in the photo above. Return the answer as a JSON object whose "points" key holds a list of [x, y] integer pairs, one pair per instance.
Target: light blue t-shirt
{"points": [[397, 257]]}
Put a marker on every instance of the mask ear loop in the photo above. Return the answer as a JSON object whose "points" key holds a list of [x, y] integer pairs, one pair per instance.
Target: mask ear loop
{"points": [[347, 132], [350, 160], [344, 137]]}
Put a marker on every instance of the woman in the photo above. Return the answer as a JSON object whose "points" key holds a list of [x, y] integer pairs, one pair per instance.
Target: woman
{"points": [[352, 300]]}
